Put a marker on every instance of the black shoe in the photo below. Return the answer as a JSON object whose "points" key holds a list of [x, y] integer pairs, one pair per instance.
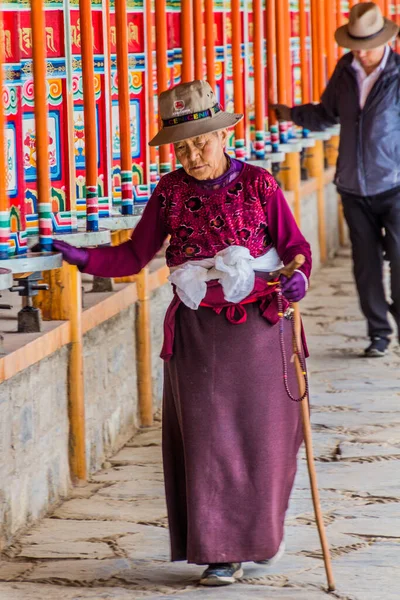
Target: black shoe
{"points": [[378, 347], [221, 574]]}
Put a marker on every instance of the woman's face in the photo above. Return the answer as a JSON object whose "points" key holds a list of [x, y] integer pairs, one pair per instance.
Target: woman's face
{"points": [[203, 157]]}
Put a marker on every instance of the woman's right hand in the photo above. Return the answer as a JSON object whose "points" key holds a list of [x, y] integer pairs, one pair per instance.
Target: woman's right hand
{"points": [[71, 254]]}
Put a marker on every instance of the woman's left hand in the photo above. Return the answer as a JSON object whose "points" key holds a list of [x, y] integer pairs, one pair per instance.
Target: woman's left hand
{"points": [[295, 288]]}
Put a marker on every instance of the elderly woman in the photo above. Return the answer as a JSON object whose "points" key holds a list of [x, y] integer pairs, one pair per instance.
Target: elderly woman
{"points": [[230, 432]]}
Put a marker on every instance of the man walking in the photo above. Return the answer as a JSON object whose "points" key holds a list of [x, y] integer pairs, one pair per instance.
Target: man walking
{"points": [[363, 95]]}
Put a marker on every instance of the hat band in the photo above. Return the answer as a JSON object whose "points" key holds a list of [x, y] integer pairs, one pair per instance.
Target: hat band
{"points": [[203, 114], [365, 38]]}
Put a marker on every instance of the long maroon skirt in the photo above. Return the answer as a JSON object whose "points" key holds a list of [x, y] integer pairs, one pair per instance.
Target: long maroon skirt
{"points": [[230, 437]]}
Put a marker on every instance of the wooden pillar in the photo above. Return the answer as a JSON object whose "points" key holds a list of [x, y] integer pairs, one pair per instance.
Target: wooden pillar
{"points": [[315, 165], [42, 135], [121, 26], [89, 111], [386, 8], [76, 399], [339, 23], [198, 39], [187, 40], [321, 45], [288, 53], [117, 238], [341, 223], [282, 52], [397, 19], [70, 113], [332, 150], [259, 77], [144, 350], [162, 66], [329, 36], [305, 67], [4, 203], [270, 28], [291, 175], [151, 124], [315, 51], [210, 41], [106, 23], [237, 67]]}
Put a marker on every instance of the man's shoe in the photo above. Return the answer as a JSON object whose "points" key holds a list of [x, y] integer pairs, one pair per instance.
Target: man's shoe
{"points": [[274, 559], [221, 574], [378, 347]]}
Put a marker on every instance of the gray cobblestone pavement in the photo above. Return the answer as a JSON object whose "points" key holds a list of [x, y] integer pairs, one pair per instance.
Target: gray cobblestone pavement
{"points": [[109, 541]]}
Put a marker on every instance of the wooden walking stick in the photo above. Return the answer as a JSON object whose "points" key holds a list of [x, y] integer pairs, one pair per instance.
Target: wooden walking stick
{"points": [[288, 272]]}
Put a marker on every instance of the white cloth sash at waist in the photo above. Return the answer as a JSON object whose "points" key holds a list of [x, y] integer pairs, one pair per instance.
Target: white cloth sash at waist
{"points": [[233, 267]]}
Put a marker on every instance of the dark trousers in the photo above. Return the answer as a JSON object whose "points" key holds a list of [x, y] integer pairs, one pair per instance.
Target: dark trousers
{"points": [[374, 225]]}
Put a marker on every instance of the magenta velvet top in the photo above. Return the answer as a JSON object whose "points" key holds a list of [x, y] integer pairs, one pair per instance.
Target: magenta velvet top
{"points": [[249, 211]]}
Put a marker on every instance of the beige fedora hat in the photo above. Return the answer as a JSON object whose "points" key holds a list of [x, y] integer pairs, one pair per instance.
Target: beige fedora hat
{"points": [[367, 28], [188, 110]]}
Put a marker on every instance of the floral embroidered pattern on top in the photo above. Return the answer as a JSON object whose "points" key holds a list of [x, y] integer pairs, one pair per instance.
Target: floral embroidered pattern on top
{"points": [[203, 221]]}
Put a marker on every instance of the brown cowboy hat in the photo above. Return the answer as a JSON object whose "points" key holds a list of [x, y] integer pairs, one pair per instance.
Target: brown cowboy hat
{"points": [[188, 110], [367, 28]]}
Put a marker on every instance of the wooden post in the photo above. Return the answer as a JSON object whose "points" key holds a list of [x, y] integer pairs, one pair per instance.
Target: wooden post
{"points": [[332, 150], [288, 54], [315, 165], [76, 401], [291, 175], [397, 19], [198, 38], [54, 303], [210, 41], [329, 37], [281, 52], [42, 134], [162, 67], [339, 23], [320, 4], [144, 350], [237, 68], [117, 238], [341, 223], [187, 40], [121, 27], [4, 204], [305, 67], [315, 51], [259, 77], [106, 24], [270, 28], [151, 125], [70, 114], [89, 112]]}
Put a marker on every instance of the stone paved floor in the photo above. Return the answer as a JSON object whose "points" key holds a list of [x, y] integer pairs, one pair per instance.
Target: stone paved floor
{"points": [[110, 542]]}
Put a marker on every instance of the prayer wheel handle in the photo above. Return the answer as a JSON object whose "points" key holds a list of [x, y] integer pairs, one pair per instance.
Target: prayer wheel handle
{"points": [[289, 269]]}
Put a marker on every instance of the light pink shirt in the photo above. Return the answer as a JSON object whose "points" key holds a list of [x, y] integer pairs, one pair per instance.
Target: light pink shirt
{"points": [[366, 82]]}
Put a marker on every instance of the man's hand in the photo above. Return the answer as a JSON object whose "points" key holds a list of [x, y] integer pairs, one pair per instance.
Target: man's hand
{"points": [[283, 112]]}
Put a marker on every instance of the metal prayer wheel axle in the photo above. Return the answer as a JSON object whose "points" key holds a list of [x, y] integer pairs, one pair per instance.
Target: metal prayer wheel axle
{"points": [[27, 271], [29, 317]]}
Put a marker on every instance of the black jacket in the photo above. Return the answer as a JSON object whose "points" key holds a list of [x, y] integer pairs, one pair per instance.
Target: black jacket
{"points": [[369, 151]]}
